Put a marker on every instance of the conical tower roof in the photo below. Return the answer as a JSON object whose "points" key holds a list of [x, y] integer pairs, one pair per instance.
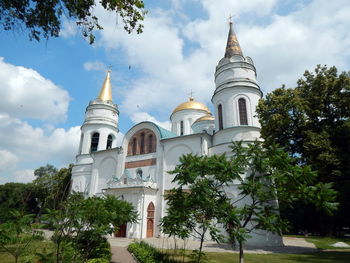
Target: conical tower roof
{"points": [[106, 90], [232, 46]]}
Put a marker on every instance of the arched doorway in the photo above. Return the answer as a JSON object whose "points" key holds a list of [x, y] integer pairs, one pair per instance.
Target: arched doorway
{"points": [[150, 220], [121, 231]]}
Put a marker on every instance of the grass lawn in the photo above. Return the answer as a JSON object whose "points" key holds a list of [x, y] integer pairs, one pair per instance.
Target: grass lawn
{"points": [[317, 257], [326, 242], [338, 255], [35, 246]]}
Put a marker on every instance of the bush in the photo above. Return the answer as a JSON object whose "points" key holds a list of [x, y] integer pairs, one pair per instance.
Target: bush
{"points": [[145, 253], [98, 260], [91, 245]]}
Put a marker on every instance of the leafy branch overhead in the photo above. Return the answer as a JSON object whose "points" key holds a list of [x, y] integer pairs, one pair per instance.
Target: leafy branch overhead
{"points": [[43, 18]]}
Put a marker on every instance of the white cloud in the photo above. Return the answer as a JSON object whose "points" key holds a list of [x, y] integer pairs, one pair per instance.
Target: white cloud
{"points": [[144, 116], [94, 65], [69, 28], [24, 176], [7, 160], [290, 44], [177, 56], [30, 95], [25, 146], [26, 141]]}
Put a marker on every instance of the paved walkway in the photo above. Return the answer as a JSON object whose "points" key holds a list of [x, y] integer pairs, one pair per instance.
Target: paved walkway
{"points": [[121, 255], [291, 245]]}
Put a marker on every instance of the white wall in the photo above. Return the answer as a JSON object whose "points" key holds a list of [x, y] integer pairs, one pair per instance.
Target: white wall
{"points": [[188, 117]]}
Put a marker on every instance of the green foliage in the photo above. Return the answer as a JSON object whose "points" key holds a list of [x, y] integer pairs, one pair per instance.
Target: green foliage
{"points": [[146, 253], [98, 260], [272, 175], [199, 254], [52, 185], [197, 196], [16, 234], [17, 196], [45, 256], [312, 123], [43, 18], [82, 224], [91, 244], [260, 176], [48, 190], [327, 242]]}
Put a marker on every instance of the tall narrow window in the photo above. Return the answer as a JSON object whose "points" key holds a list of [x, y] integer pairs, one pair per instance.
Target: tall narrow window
{"points": [[94, 142], [81, 143], [142, 148], [150, 220], [150, 143], [221, 125], [134, 144], [243, 119], [181, 128], [109, 142]]}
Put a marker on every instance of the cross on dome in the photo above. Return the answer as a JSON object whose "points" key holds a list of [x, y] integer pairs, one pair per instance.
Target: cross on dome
{"points": [[191, 95]]}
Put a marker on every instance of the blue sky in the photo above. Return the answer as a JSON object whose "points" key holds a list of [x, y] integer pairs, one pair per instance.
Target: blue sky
{"points": [[45, 86]]}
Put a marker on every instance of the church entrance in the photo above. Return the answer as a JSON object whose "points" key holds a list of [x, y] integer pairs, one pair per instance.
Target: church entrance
{"points": [[150, 220], [121, 231], [149, 227]]}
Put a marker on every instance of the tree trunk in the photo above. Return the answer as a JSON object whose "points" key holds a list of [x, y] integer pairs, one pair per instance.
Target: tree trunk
{"points": [[200, 248], [241, 255], [58, 252]]}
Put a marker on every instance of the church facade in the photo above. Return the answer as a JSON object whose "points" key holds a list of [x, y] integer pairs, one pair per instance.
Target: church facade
{"points": [[137, 171]]}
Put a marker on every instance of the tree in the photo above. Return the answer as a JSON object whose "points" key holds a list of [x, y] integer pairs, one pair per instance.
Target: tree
{"points": [[17, 196], [198, 199], [52, 185], [82, 224], [312, 123], [261, 175], [16, 234], [43, 18]]}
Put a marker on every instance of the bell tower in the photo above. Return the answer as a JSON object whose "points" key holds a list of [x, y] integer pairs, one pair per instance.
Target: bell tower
{"points": [[237, 93], [100, 128]]}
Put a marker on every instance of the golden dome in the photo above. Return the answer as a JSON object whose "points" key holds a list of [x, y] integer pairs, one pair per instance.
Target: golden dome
{"points": [[191, 105], [207, 117]]}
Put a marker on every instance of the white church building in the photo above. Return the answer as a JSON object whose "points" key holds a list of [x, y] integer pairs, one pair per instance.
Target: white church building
{"points": [[137, 171]]}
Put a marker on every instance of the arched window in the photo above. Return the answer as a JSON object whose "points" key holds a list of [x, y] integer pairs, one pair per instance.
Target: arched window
{"points": [[243, 119], [94, 142], [142, 148], [150, 210], [150, 143], [109, 142], [181, 128], [134, 145], [221, 125]]}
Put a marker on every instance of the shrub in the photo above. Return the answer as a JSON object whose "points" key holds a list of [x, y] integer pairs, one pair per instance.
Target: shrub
{"points": [[91, 245], [98, 260], [145, 253]]}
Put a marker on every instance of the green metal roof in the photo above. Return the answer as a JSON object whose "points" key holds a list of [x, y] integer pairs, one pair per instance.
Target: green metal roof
{"points": [[164, 133]]}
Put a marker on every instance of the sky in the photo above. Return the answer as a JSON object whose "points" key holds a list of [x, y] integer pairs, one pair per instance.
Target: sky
{"points": [[45, 86]]}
